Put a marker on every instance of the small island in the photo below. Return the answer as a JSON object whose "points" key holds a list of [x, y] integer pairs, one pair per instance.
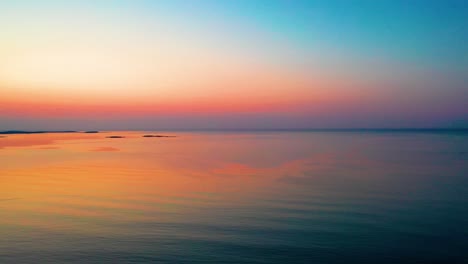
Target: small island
{"points": [[91, 132], [115, 137], [157, 136]]}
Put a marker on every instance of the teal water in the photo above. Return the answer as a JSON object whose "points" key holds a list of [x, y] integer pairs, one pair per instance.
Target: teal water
{"points": [[239, 197]]}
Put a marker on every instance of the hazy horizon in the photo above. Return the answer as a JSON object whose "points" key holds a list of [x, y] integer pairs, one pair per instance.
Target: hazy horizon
{"points": [[330, 129], [174, 123]]}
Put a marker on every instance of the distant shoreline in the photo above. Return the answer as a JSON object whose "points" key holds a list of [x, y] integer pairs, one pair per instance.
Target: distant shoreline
{"points": [[318, 130], [14, 132]]}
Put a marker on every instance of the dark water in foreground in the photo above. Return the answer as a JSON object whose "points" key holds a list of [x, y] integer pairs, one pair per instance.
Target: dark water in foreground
{"points": [[265, 197]]}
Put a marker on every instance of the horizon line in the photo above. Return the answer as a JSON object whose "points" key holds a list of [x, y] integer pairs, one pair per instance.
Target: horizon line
{"points": [[404, 129]]}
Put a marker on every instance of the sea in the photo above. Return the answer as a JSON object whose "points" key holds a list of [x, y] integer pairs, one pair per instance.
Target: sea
{"points": [[312, 196]]}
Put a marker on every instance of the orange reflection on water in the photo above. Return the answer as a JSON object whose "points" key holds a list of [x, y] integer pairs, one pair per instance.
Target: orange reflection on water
{"points": [[83, 182], [76, 181]]}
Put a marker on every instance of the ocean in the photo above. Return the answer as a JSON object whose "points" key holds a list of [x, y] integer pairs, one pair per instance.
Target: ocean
{"points": [[356, 196]]}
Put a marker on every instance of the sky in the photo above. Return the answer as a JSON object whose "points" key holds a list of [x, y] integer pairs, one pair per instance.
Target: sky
{"points": [[232, 64]]}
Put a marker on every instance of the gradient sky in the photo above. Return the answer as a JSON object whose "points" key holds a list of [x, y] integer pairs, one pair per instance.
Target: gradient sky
{"points": [[233, 64]]}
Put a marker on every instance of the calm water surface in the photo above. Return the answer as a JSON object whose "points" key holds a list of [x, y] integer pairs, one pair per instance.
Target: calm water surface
{"points": [[263, 197]]}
